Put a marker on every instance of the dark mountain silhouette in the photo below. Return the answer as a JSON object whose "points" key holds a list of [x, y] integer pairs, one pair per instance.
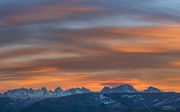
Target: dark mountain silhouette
{"points": [[115, 102]]}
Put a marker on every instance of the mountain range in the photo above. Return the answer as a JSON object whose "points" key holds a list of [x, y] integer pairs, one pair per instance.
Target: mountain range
{"points": [[123, 97], [44, 93]]}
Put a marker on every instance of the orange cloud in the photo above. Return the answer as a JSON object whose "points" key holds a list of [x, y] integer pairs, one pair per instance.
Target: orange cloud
{"points": [[176, 63], [159, 45], [46, 13], [43, 70], [158, 32], [134, 39], [143, 39]]}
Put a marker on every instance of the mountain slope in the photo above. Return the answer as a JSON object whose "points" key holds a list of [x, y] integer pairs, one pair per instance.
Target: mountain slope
{"points": [[14, 105], [94, 102]]}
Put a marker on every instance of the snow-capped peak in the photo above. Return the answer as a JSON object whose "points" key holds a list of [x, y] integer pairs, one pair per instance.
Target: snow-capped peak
{"points": [[58, 90], [152, 90], [43, 89], [77, 91], [124, 89], [119, 89], [106, 90], [43, 93]]}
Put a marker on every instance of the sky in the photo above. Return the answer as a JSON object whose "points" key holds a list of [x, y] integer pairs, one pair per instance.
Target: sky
{"points": [[90, 43]]}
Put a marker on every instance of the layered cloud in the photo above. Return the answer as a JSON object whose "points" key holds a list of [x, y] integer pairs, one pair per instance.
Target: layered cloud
{"points": [[89, 43]]}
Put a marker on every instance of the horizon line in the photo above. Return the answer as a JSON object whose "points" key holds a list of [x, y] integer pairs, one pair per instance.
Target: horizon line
{"points": [[1, 92]]}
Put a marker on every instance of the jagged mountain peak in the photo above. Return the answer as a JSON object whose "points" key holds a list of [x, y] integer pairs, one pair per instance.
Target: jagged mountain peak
{"points": [[125, 88], [44, 89], [58, 90], [77, 91], [19, 90], [106, 90]]}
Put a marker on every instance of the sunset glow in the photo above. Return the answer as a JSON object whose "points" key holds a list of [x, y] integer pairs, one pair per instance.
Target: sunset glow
{"points": [[89, 43]]}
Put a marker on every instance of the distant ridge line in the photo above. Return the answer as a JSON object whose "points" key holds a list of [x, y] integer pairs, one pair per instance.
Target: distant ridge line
{"points": [[125, 88]]}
